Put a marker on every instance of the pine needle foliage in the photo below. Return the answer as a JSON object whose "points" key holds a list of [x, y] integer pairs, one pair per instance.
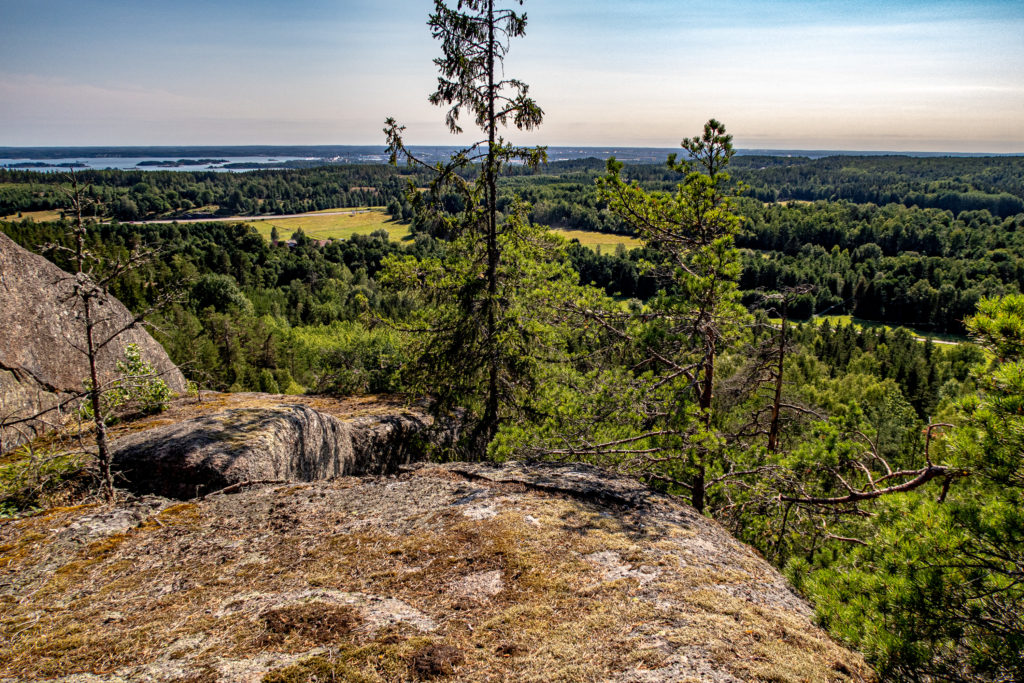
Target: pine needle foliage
{"points": [[483, 297]]}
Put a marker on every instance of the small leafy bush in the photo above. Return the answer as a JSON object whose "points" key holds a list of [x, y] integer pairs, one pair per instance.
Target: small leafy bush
{"points": [[138, 387]]}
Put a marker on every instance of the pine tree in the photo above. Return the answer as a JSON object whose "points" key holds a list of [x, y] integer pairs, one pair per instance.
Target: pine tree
{"points": [[92, 277], [934, 593], [678, 338]]}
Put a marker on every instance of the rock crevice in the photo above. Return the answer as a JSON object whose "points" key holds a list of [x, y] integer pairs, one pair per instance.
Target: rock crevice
{"points": [[258, 437]]}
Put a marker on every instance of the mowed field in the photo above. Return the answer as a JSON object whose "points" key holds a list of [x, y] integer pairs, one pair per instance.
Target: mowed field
{"points": [[844, 320], [37, 216], [343, 223], [600, 242], [334, 223]]}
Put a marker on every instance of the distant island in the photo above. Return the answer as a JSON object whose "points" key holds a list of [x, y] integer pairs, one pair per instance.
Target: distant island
{"points": [[181, 162], [293, 164], [43, 164]]}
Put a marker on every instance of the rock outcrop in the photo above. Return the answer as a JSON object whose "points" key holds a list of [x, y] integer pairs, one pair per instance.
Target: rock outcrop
{"points": [[259, 437], [460, 572], [40, 338]]}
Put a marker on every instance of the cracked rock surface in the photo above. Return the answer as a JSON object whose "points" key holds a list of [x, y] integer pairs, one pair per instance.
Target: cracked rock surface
{"points": [[572, 574], [248, 437], [40, 334]]}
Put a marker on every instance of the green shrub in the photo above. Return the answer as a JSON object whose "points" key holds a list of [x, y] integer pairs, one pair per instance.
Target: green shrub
{"points": [[138, 387]]}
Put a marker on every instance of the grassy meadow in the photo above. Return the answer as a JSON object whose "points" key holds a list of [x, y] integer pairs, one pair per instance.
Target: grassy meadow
{"points": [[844, 320], [601, 242], [343, 223], [37, 216], [334, 223]]}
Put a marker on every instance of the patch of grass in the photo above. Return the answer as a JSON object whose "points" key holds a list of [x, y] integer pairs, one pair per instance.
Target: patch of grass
{"points": [[37, 216], [787, 202], [313, 622], [390, 658], [182, 514], [434, 660], [601, 242], [322, 226], [349, 208], [35, 478], [318, 669], [860, 323]]}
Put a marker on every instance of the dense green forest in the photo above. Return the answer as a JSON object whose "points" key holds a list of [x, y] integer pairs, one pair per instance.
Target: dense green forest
{"points": [[251, 315], [134, 195], [896, 264], [924, 268]]}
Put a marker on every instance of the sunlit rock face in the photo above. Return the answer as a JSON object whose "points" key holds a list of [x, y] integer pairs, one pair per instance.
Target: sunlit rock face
{"points": [[462, 572], [250, 437], [42, 335]]}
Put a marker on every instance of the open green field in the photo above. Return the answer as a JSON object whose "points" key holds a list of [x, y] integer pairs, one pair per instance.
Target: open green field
{"points": [[843, 320], [334, 223], [600, 242], [37, 216], [343, 223], [349, 208]]}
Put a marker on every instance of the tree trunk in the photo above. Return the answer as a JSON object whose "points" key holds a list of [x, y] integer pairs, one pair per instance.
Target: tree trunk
{"points": [[773, 432], [706, 397], [95, 396], [489, 426], [699, 489]]}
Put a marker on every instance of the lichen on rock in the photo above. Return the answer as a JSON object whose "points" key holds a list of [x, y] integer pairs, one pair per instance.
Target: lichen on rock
{"points": [[41, 364], [578, 575], [259, 437]]}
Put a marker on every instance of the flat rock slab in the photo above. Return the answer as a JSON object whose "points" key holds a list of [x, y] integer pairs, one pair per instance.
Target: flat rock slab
{"points": [[264, 437], [561, 583]]}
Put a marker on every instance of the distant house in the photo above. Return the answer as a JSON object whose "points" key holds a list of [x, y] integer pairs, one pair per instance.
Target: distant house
{"points": [[291, 243]]}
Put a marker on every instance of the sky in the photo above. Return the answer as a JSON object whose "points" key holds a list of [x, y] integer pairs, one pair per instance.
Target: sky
{"points": [[898, 75]]}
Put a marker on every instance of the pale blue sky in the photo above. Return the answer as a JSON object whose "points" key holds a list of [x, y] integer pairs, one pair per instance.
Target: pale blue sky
{"points": [[902, 75]]}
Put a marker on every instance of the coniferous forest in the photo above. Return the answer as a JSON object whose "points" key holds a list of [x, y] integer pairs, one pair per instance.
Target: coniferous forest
{"points": [[766, 353]]}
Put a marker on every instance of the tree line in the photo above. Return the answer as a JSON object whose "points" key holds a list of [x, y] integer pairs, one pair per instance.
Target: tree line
{"points": [[136, 195], [904, 266]]}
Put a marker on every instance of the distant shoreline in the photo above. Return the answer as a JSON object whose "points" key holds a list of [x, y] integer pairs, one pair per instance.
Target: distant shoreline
{"points": [[378, 153]]}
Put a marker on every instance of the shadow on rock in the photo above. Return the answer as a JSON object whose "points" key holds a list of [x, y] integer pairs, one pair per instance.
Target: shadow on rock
{"points": [[277, 440]]}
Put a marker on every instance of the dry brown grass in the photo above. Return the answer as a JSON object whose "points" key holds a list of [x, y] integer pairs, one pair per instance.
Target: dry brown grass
{"points": [[311, 623], [358, 580]]}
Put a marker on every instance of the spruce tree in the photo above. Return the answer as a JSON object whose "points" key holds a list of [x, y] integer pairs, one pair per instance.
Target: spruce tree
{"points": [[476, 334]]}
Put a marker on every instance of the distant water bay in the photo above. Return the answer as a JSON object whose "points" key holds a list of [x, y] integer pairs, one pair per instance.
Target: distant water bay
{"points": [[221, 163], [226, 159]]}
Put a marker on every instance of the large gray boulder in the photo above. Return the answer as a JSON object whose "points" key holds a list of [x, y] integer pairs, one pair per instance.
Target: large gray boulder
{"points": [[264, 437], [41, 337]]}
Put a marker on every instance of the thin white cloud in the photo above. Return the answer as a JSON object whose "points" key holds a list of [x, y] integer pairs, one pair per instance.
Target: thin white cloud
{"points": [[606, 72]]}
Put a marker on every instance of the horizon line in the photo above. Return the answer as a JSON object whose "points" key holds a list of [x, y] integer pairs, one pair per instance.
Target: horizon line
{"points": [[819, 151]]}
